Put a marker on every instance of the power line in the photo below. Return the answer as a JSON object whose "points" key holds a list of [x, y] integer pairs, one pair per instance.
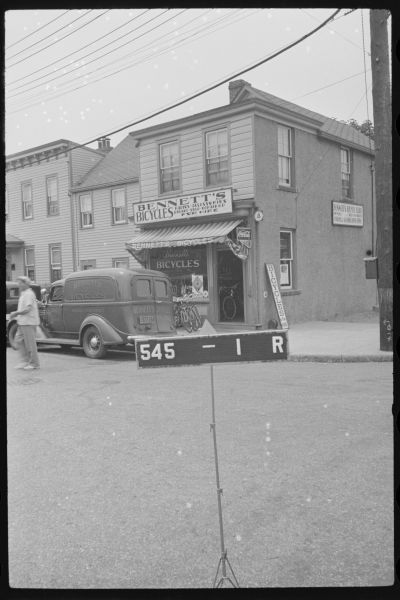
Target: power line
{"points": [[209, 29], [75, 51], [212, 87], [36, 30], [103, 55], [63, 38], [48, 36], [329, 85]]}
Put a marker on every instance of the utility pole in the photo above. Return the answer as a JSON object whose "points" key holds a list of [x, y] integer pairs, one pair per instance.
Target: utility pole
{"points": [[381, 95]]}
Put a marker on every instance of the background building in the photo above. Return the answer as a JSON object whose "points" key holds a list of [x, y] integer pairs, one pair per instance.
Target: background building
{"points": [[39, 218]]}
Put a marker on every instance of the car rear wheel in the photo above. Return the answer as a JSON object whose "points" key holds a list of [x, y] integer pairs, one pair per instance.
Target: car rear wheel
{"points": [[92, 342], [12, 330]]}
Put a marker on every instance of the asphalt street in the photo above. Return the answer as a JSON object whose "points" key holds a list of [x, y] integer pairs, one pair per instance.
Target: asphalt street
{"points": [[111, 473]]}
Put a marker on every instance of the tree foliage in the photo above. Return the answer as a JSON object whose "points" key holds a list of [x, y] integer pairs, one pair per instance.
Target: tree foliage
{"points": [[366, 127]]}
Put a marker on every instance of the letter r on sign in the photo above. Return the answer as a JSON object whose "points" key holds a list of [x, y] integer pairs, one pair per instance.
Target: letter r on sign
{"points": [[277, 342]]}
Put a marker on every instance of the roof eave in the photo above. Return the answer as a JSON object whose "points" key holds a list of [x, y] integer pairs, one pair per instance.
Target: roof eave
{"points": [[346, 142], [107, 184]]}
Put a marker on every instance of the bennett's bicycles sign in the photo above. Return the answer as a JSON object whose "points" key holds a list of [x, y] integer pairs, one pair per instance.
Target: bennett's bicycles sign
{"points": [[183, 207]]}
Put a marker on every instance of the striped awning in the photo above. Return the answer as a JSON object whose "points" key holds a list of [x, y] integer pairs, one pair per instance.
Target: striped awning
{"points": [[189, 235]]}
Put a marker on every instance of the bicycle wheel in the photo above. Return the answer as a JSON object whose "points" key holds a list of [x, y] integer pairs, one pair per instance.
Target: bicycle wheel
{"points": [[177, 316], [186, 320], [195, 318], [229, 308]]}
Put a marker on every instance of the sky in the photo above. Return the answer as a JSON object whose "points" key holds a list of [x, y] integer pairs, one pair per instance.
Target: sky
{"points": [[82, 74]]}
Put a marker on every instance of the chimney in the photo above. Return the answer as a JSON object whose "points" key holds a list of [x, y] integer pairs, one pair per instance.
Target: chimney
{"points": [[104, 144], [235, 87]]}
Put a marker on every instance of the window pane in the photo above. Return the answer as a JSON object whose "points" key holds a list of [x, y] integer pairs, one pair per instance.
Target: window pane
{"points": [[55, 256], [142, 288], [29, 256], [285, 274], [286, 246], [118, 198], [161, 288]]}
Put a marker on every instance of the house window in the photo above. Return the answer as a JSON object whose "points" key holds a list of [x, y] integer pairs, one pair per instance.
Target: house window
{"points": [[217, 172], [169, 167], [30, 263], [286, 259], [53, 207], [345, 159], [27, 204], [285, 156], [118, 206], [120, 263], [87, 264], [86, 210], [55, 262]]}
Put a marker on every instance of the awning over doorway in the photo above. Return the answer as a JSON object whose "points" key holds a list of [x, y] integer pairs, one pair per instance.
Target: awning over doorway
{"points": [[189, 235], [12, 240]]}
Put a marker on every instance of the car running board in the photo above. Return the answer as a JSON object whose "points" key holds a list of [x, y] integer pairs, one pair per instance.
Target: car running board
{"points": [[58, 341]]}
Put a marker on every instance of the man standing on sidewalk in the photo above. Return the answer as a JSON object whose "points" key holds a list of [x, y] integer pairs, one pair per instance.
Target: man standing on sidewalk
{"points": [[27, 316]]}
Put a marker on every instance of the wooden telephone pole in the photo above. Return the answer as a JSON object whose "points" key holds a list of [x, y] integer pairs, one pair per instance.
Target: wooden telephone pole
{"points": [[381, 95]]}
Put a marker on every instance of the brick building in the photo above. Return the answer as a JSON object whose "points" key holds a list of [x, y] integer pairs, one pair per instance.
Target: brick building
{"points": [[292, 184]]}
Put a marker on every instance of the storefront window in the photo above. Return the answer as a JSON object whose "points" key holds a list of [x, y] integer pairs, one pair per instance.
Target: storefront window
{"points": [[185, 266]]}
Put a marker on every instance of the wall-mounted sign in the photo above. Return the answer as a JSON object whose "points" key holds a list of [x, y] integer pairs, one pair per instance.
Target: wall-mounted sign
{"points": [[258, 215], [277, 296], [344, 213], [183, 207], [243, 235]]}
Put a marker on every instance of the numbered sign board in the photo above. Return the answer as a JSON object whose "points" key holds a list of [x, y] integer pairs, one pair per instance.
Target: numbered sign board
{"points": [[228, 347]]}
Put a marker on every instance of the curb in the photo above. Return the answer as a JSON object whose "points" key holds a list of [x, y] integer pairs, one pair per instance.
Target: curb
{"points": [[341, 358]]}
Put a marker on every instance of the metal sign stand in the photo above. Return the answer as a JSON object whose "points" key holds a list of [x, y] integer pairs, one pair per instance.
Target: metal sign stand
{"points": [[223, 561]]}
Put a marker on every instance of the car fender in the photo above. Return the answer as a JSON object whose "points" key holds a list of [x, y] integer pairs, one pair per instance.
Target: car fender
{"points": [[108, 333]]}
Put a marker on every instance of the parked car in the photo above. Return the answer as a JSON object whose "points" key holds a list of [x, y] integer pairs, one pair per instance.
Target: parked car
{"points": [[103, 308], [12, 296]]}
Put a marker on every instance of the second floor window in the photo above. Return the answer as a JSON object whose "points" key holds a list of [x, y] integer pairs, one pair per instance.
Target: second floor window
{"points": [[55, 262], [217, 172], [169, 167], [30, 263], [285, 156], [118, 206], [27, 204], [345, 159], [52, 196], [86, 210]]}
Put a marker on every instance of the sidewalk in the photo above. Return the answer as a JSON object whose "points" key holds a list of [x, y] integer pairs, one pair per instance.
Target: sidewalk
{"points": [[355, 339]]}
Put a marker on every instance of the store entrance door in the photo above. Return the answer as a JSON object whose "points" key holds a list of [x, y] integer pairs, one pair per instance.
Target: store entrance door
{"points": [[230, 286]]}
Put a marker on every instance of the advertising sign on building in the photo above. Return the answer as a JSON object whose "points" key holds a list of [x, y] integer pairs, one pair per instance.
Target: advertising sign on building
{"points": [[183, 207], [243, 235], [351, 215], [277, 295]]}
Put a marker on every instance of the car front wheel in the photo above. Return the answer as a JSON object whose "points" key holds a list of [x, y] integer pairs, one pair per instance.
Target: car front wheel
{"points": [[12, 330], [92, 342]]}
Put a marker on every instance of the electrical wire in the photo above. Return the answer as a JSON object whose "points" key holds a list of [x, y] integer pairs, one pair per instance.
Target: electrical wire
{"points": [[61, 39], [150, 56], [75, 51], [107, 53], [329, 85], [212, 87], [36, 30]]}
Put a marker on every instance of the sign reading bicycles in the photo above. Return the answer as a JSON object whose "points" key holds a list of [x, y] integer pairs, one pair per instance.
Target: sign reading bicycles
{"points": [[208, 349]]}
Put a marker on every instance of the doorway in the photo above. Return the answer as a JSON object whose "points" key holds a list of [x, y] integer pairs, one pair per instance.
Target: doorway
{"points": [[230, 287]]}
